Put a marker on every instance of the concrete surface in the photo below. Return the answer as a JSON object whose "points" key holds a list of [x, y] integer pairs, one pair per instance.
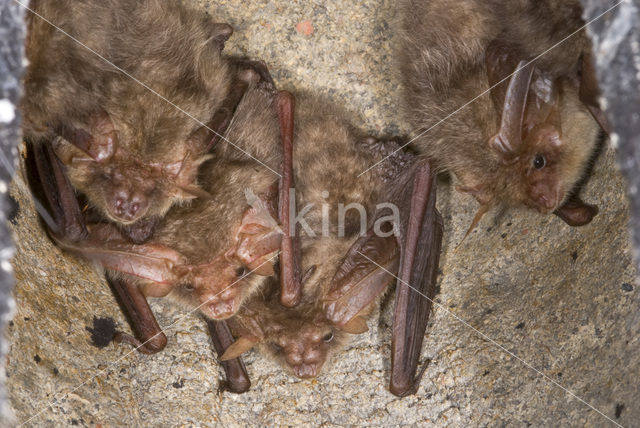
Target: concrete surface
{"points": [[563, 300]]}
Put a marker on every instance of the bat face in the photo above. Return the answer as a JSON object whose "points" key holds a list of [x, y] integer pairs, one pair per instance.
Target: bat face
{"points": [[554, 157], [303, 343], [128, 148], [125, 189]]}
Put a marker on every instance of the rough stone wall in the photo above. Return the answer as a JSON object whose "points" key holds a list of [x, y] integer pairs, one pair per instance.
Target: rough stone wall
{"points": [[562, 300]]}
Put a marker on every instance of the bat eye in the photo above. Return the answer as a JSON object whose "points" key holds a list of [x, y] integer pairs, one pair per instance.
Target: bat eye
{"points": [[539, 162], [189, 287], [328, 337], [241, 271]]}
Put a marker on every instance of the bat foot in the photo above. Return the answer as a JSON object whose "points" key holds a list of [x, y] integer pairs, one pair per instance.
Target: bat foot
{"points": [[152, 346]]}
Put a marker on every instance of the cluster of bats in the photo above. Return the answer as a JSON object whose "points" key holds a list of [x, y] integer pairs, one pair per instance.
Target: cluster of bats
{"points": [[171, 165]]}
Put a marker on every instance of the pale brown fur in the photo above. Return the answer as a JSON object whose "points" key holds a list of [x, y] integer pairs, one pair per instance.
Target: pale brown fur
{"points": [[328, 152], [173, 50], [442, 58]]}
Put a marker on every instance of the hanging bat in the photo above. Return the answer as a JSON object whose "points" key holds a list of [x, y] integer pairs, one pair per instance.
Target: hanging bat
{"points": [[351, 266], [130, 296], [528, 140], [201, 254], [127, 87]]}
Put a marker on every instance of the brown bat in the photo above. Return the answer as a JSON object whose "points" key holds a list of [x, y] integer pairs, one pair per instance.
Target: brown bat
{"points": [[527, 141], [352, 264], [346, 272], [219, 239], [200, 254], [128, 85]]}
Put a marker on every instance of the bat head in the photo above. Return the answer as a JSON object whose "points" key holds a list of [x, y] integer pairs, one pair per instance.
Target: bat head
{"points": [[547, 160], [300, 339], [241, 262], [128, 190]]}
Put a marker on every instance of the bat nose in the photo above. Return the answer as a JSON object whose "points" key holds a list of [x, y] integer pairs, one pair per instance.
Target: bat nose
{"points": [[128, 207], [546, 202], [306, 371]]}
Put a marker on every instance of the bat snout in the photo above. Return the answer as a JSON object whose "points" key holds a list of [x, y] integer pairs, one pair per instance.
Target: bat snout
{"points": [[127, 206], [222, 305]]}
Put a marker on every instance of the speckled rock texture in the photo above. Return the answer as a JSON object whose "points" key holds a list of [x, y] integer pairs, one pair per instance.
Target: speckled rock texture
{"points": [[11, 67], [535, 323]]}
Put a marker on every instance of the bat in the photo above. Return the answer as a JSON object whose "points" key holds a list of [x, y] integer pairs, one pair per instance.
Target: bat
{"points": [[127, 89], [348, 270], [108, 244], [149, 337], [527, 141]]}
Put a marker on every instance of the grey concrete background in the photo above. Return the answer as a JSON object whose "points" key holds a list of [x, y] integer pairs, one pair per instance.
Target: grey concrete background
{"points": [[564, 300]]}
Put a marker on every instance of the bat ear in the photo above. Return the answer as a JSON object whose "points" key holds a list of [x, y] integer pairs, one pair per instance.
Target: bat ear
{"points": [[239, 347], [360, 279], [78, 145], [507, 143], [156, 289], [220, 33], [356, 325]]}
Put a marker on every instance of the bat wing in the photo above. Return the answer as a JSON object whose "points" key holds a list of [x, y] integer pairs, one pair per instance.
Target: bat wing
{"points": [[416, 285], [290, 275], [54, 198], [237, 378]]}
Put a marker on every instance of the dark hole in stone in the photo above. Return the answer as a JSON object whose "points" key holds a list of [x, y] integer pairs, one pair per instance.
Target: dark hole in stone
{"points": [[178, 385], [74, 422], [37, 358], [504, 235], [627, 287], [509, 224], [488, 311], [521, 325], [488, 229], [10, 323], [102, 332], [56, 371], [619, 409], [27, 319], [486, 372], [574, 255]]}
